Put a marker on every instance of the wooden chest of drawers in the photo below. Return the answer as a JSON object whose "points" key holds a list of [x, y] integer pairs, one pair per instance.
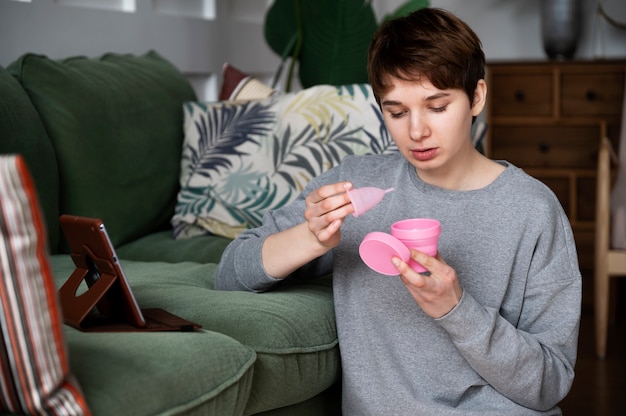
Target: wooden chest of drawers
{"points": [[547, 118]]}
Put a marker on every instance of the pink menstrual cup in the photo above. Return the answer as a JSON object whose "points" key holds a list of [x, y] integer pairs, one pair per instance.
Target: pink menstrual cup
{"points": [[363, 199], [419, 233]]}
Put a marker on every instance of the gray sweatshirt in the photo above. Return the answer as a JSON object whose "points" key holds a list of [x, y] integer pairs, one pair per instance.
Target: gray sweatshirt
{"points": [[507, 348]]}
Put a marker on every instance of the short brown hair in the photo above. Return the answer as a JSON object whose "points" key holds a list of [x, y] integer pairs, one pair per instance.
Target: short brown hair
{"points": [[431, 43]]}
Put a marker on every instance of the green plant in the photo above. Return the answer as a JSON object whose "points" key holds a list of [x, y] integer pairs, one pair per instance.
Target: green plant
{"points": [[326, 39]]}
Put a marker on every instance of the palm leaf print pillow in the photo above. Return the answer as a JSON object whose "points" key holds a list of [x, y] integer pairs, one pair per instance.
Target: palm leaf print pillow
{"points": [[241, 159]]}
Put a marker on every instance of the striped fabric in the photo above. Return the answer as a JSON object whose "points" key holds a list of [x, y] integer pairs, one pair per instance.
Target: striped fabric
{"points": [[35, 376]]}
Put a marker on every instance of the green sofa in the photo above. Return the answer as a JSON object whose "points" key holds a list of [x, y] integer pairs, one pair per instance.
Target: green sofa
{"points": [[102, 137]]}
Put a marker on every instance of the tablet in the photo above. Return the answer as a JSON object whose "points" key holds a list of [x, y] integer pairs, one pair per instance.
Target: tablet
{"points": [[95, 259]]}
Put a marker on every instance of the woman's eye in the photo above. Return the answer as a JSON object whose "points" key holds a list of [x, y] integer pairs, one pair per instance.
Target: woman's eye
{"points": [[396, 114], [439, 109]]}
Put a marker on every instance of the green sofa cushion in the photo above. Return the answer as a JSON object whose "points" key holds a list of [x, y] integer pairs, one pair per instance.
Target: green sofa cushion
{"points": [[161, 373], [161, 246], [292, 329], [116, 125], [22, 132]]}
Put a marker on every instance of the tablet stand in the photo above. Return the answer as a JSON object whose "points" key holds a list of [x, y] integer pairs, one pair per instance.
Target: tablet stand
{"points": [[77, 308], [80, 311]]}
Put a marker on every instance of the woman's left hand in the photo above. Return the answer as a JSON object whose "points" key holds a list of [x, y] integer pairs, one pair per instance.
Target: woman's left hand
{"points": [[438, 291]]}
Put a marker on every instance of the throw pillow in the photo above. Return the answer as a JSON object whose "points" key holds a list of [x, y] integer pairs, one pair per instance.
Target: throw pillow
{"points": [[242, 159], [35, 378], [238, 86]]}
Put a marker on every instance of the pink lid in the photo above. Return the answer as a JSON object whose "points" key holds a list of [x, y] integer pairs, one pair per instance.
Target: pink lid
{"points": [[378, 248]]}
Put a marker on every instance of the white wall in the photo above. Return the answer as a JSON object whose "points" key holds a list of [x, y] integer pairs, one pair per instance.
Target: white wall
{"points": [[198, 36], [509, 29]]}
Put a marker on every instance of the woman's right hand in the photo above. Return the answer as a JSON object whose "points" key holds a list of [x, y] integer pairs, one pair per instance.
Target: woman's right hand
{"points": [[326, 208]]}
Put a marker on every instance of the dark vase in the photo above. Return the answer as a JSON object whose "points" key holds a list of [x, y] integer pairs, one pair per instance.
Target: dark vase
{"points": [[560, 27]]}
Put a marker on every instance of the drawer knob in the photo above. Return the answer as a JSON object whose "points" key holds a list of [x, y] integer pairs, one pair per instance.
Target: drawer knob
{"points": [[520, 96], [544, 148], [591, 95]]}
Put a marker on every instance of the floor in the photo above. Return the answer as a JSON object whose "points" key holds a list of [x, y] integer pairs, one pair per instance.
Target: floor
{"points": [[600, 385]]}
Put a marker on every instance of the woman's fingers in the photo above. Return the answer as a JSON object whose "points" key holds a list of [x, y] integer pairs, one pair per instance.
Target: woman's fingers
{"points": [[326, 207]]}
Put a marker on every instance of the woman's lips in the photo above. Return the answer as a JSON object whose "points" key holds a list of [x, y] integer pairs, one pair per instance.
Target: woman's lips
{"points": [[424, 154]]}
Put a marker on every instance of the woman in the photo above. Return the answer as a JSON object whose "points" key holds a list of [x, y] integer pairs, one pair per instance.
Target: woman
{"points": [[492, 327]]}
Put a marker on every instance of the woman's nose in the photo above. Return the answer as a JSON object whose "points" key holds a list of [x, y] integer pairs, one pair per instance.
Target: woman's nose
{"points": [[417, 128]]}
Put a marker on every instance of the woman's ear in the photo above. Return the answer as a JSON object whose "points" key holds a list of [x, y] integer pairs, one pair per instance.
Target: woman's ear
{"points": [[480, 97]]}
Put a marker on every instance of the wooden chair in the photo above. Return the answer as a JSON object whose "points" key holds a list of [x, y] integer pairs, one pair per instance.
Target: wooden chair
{"points": [[608, 262]]}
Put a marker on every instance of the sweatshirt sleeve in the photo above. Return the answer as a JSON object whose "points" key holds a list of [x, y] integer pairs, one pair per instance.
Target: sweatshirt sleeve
{"points": [[532, 361], [241, 266]]}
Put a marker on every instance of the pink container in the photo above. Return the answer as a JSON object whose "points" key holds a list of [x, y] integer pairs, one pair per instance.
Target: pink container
{"points": [[378, 248], [419, 233], [416, 229]]}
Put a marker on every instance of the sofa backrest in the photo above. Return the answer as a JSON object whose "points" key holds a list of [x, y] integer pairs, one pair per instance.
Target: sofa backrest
{"points": [[22, 132], [116, 126]]}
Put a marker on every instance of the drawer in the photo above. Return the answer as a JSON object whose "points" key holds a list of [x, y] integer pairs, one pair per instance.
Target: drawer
{"points": [[586, 191], [592, 95], [521, 94], [546, 146], [585, 248]]}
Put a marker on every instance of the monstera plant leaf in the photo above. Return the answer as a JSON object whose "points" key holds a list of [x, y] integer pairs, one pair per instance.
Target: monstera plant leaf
{"points": [[327, 39], [407, 8]]}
